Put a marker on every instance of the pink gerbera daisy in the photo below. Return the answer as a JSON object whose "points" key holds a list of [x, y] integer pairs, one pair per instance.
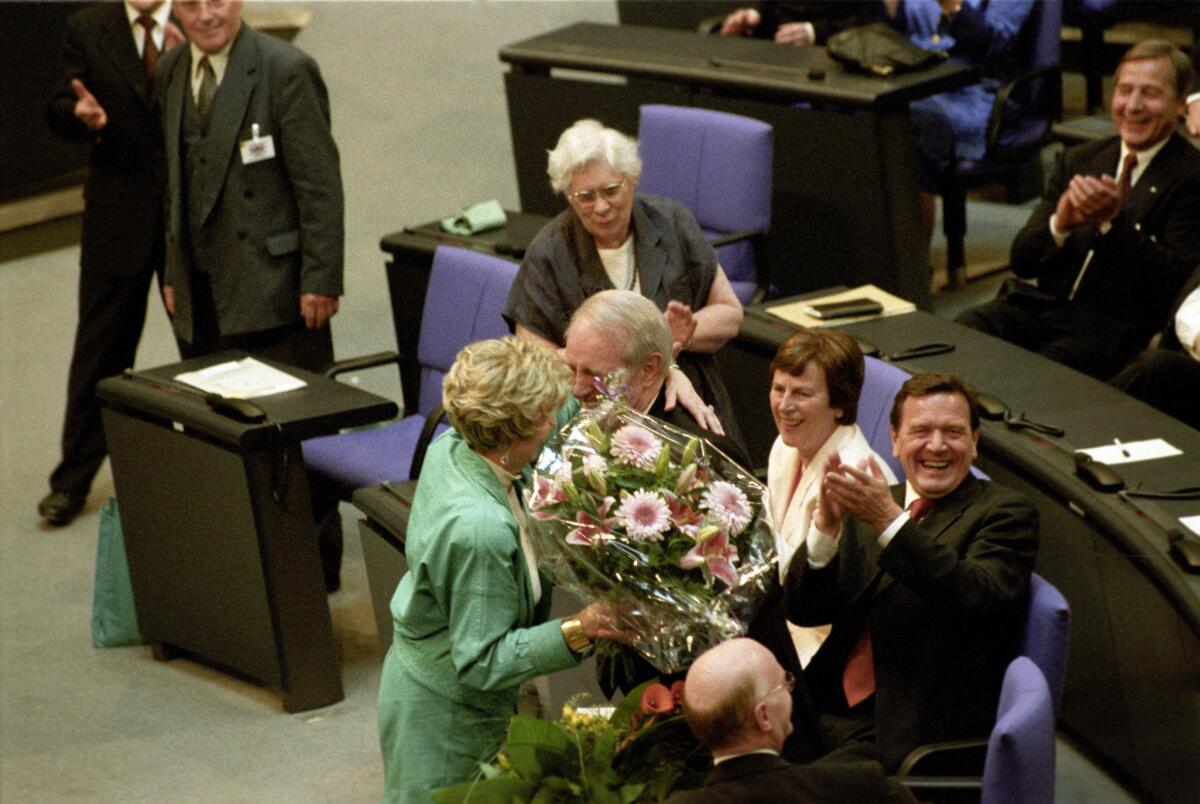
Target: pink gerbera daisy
{"points": [[728, 505], [645, 515], [636, 446]]}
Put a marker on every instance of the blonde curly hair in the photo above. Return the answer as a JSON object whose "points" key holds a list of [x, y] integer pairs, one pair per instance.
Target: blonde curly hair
{"points": [[499, 392]]}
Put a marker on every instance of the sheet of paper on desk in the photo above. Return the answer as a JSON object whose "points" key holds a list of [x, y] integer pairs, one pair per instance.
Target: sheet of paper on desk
{"points": [[793, 312], [242, 379], [1192, 523], [1130, 451]]}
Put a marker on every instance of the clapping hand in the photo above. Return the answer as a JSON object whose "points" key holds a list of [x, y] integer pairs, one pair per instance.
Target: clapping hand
{"points": [[683, 324], [862, 491], [1088, 199]]}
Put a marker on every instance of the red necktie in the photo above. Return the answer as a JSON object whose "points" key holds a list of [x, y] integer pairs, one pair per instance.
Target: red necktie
{"points": [[858, 677], [149, 49]]}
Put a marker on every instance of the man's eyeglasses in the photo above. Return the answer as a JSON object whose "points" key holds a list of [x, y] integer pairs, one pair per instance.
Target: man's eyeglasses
{"points": [[789, 683], [588, 197]]}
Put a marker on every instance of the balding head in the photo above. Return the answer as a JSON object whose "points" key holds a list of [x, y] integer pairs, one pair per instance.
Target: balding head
{"points": [[736, 698]]}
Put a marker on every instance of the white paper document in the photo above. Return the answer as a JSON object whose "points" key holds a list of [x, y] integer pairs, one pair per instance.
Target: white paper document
{"points": [[1192, 523], [1130, 451], [242, 379]]}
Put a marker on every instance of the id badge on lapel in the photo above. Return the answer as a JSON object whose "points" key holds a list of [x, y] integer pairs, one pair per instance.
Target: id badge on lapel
{"points": [[257, 148]]}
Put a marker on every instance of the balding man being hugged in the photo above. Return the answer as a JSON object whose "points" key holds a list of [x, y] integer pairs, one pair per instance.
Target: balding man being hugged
{"points": [[737, 701]]}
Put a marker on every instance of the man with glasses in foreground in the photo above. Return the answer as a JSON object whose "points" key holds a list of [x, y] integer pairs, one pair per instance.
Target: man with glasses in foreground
{"points": [[737, 701]]}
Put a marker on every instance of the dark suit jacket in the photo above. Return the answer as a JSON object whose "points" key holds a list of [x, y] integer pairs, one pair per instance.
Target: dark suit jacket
{"points": [[1140, 264], [272, 230], [124, 187], [770, 780], [945, 602]]}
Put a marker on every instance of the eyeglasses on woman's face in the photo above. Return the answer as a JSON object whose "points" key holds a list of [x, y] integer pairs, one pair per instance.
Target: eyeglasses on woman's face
{"points": [[609, 193]]}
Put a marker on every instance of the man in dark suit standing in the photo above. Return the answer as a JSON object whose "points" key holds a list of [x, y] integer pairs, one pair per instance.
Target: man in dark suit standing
{"points": [[925, 586], [737, 701], [107, 99], [254, 193], [1116, 234]]}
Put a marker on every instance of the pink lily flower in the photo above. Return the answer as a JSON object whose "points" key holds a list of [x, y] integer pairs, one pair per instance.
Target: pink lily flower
{"points": [[718, 554]]}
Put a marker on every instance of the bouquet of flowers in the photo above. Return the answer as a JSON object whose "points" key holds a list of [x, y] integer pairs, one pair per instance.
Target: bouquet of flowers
{"points": [[662, 525], [641, 751]]}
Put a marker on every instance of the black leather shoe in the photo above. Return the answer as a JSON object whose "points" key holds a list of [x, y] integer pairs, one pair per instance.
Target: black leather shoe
{"points": [[60, 507]]}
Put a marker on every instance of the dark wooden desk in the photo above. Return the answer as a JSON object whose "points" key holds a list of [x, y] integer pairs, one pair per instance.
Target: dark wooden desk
{"points": [[844, 205], [1133, 683], [219, 528], [411, 251]]}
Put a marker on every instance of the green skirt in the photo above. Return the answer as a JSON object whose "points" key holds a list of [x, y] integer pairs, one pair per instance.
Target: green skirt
{"points": [[429, 741]]}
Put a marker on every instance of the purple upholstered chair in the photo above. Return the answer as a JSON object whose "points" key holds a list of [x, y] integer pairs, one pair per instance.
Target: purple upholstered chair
{"points": [[1018, 757], [1020, 752], [1047, 635], [1013, 138], [881, 381], [467, 290], [719, 166]]}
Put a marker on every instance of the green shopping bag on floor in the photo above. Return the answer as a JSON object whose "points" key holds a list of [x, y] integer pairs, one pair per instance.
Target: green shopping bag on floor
{"points": [[114, 619]]}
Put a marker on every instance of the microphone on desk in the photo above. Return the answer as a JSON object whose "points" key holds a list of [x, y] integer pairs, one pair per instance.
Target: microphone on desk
{"points": [[1185, 551], [1098, 475]]}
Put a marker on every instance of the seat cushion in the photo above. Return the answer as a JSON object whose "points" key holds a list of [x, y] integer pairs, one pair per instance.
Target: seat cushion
{"points": [[366, 457]]}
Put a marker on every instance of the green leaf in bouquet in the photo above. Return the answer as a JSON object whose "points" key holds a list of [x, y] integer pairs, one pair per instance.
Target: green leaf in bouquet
{"points": [[536, 748], [555, 789], [598, 790], [605, 748], [631, 793], [486, 791]]}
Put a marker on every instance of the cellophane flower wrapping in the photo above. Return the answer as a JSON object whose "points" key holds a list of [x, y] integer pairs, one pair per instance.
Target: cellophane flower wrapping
{"points": [[660, 524]]}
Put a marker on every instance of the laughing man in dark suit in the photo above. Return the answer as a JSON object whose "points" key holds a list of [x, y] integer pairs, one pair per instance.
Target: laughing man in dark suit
{"points": [[925, 586], [737, 701], [1109, 255], [107, 99]]}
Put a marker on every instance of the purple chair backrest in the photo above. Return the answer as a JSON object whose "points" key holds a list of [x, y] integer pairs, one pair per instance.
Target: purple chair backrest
{"points": [[1020, 754], [467, 291], [881, 381], [1046, 638], [718, 165]]}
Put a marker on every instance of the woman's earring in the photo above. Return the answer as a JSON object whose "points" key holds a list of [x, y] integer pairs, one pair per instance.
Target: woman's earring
{"points": [[504, 459]]}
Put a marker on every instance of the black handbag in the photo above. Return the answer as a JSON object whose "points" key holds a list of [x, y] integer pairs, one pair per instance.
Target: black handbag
{"points": [[879, 49]]}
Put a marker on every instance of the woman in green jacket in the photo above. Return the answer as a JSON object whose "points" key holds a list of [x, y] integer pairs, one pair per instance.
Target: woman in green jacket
{"points": [[471, 613]]}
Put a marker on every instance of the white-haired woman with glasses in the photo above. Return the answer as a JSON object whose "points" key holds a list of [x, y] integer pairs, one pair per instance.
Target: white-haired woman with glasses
{"points": [[610, 236]]}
